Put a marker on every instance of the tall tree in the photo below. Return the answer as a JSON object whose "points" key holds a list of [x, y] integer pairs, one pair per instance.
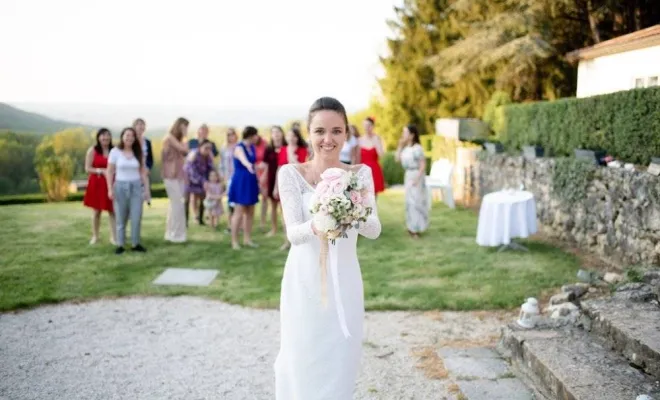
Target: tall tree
{"points": [[521, 44], [410, 95]]}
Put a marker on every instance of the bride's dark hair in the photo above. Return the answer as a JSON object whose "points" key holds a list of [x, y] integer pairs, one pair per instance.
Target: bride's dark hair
{"points": [[329, 104]]}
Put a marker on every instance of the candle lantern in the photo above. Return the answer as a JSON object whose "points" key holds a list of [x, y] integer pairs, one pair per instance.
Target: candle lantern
{"points": [[529, 313]]}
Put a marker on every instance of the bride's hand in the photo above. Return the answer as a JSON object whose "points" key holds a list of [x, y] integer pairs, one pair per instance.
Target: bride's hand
{"points": [[316, 231]]}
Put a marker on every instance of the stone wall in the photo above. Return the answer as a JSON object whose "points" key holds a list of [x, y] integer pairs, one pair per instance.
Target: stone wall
{"points": [[619, 218]]}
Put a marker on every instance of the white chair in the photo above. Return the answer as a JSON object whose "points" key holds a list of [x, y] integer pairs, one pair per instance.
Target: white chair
{"points": [[440, 177]]}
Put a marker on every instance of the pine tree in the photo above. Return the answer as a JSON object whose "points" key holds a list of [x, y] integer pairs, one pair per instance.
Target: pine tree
{"points": [[409, 84]]}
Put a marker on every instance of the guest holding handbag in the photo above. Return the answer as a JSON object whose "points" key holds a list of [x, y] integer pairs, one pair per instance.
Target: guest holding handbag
{"points": [[244, 188]]}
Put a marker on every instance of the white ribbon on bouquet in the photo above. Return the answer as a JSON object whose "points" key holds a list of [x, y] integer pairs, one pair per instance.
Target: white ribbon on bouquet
{"points": [[334, 273]]}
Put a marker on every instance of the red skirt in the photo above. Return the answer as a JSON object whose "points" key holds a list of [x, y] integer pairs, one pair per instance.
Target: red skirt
{"points": [[96, 195]]}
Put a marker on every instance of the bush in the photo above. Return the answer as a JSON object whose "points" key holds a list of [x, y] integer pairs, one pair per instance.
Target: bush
{"points": [[625, 124], [392, 170], [157, 191], [55, 174], [494, 112]]}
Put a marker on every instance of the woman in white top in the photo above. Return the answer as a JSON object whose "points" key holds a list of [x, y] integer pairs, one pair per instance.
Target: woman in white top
{"points": [[349, 153], [127, 180]]}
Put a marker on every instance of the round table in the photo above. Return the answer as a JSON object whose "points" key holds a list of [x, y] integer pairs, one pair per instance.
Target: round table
{"points": [[505, 215]]}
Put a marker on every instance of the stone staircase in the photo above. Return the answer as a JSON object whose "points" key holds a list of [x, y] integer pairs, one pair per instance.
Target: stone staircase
{"points": [[611, 353]]}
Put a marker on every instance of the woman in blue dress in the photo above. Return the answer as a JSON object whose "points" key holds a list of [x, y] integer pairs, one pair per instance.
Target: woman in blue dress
{"points": [[244, 188]]}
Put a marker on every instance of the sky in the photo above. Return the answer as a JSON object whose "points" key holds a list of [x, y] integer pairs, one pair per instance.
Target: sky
{"points": [[232, 53]]}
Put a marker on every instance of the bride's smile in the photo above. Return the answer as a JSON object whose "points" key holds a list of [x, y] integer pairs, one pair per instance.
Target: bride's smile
{"points": [[328, 134]]}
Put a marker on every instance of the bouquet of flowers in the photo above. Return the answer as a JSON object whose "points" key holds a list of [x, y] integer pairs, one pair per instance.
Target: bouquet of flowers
{"points": [[341, 202]]}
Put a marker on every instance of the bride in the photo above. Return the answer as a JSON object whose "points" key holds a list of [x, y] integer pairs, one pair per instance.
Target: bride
{"points": [[321, 342]]}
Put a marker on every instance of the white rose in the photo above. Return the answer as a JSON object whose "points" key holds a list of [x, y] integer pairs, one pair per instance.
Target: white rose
{"points": [[324, 222], [346, 180]]}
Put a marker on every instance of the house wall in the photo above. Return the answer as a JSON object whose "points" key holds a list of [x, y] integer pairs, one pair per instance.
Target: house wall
{"points": [[616, 72]]}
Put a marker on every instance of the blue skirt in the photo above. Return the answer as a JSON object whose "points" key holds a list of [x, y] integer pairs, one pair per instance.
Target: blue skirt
{"points": [[244, 188]]}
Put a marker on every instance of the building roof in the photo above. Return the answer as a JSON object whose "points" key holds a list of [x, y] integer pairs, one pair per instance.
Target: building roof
{"points": [[633, 41]]}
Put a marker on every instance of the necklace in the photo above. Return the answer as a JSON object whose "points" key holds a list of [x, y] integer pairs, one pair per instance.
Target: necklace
{"points": [[317, 177], [315, 173]]}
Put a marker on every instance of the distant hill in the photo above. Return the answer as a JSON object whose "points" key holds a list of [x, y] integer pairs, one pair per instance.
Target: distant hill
{"points": [[16, 120]]}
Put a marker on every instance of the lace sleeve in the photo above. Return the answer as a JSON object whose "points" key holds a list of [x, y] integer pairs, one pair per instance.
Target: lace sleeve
{"points": [[298, 231], [371, 228]]}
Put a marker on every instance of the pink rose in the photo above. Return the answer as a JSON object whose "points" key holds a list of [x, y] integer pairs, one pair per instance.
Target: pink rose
{"points": [[337, 186], [366, 200], [356, 198], [323, 188], [332, 174]]}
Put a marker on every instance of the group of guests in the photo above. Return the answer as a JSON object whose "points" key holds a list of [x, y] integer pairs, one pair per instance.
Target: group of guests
{"points": [[118, 183], [199, 175]]}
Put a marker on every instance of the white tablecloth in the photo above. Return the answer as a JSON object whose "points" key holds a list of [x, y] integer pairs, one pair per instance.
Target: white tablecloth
{"points": [[505, 215]]}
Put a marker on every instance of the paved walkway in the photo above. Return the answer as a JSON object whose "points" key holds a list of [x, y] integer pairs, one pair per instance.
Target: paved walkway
{"points": [[191, 348]]}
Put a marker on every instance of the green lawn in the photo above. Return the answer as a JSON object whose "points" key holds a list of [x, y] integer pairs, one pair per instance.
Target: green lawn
{"points": [[45, 258]]}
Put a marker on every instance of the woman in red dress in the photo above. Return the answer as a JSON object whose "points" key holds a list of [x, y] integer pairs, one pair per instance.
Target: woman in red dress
{"points": [[371, 149], [294, 152], [96, 195]]}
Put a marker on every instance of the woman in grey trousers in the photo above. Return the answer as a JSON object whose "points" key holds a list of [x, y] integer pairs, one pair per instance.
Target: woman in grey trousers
{"points": [[127, 180]]}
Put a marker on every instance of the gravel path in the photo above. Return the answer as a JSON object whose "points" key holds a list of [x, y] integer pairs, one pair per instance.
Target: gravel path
{"points": [[192, 348]]}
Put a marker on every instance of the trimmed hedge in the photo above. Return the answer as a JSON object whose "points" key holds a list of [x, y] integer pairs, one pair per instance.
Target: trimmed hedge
{"points": [[393, 171], [625, 124], [157, 191]]}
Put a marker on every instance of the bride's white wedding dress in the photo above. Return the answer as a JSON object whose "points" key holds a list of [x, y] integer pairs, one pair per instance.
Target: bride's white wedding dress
{"points": [[321, 345]]}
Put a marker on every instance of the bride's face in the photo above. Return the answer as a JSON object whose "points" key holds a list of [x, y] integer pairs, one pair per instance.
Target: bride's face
{"points": [[327, 133]]}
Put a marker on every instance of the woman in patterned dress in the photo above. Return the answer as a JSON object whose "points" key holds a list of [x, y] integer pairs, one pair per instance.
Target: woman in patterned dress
{"points": [[411, 155]]}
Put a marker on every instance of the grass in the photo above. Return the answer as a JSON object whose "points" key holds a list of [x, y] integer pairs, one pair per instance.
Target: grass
{"points": [[45, 258]]}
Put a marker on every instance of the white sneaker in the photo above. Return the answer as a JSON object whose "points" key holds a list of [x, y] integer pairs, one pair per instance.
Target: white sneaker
{"points": [[113, 242], [94, 240]]}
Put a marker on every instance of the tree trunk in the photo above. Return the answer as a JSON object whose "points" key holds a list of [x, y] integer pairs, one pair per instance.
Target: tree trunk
{"points": [[593, 22]]}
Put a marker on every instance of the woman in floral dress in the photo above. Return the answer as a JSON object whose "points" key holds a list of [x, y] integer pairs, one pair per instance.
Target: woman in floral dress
{"points": [[197, 168], [411, 155]]}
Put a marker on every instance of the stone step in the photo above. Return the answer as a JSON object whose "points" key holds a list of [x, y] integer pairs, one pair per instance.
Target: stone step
{"points": [[629, 328], [569, 364]]}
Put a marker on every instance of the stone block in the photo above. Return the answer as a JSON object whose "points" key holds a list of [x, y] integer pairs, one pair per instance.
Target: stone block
{"points": [[635, 292], [651, 276], [562, 298], [632, 329], [568, 364], [186, 277], [502, 389], [578, 289]]}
